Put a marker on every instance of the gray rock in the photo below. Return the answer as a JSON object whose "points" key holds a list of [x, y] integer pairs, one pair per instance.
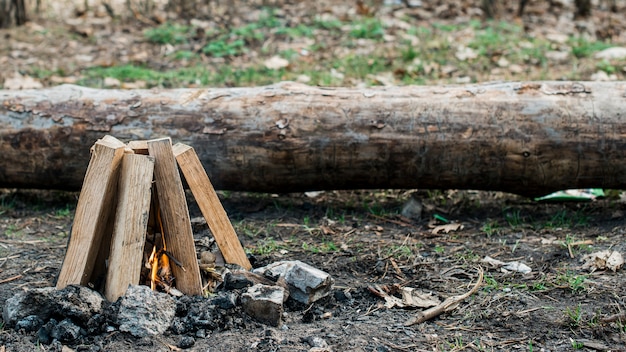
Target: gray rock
{"points": [[264, 303], [35, 302], [306, 283], [186, 342], [144, 312], [76, 302], [29, 324], [412, 209], [614, 53], [225, 300], [315, 341], [65, 331], [557, 56]]}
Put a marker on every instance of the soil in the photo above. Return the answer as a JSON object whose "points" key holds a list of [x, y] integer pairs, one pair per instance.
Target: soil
{"points": [[359, 237], [362, 241]]}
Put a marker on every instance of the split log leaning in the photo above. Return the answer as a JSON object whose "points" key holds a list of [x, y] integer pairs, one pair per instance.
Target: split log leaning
{"points": [[526, 138]]}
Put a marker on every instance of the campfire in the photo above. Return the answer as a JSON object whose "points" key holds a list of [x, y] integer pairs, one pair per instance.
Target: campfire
{"points": [[132, 223]]}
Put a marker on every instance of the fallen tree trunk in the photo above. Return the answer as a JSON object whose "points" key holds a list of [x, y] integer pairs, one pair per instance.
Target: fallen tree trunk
{"points": [[525, 138]]}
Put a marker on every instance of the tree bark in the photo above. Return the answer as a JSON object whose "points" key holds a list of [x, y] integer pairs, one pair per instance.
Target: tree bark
{"points": [[525, 138], [12, 13]]}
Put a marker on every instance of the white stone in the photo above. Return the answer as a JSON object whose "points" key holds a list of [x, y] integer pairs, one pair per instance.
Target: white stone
{"points": [[306, 283], [557, 56], [264, 303], [144, 312], [614, 53]]}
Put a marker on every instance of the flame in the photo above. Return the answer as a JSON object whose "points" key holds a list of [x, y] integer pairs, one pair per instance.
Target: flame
{"points": [[159, 262]]}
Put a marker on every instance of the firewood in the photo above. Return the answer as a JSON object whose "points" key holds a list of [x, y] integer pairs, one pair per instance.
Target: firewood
{"points": [[131, 220], [95, 205], [210, 206], [175, 214]]}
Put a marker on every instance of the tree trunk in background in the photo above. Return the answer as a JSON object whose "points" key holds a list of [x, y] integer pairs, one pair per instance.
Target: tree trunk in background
{"points": [[526, 138], [583, 8], [12, 13]]}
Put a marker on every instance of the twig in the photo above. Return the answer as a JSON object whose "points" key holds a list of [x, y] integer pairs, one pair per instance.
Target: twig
{"points": [[449, 304], [615, 317], [397, 222], [10, 279]]}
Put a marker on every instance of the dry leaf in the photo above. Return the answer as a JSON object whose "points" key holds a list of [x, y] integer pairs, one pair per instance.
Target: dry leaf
{"points": [[447, 228], [276, 63], [606, 259], [508, 266], [18, 82], [411, 297]]}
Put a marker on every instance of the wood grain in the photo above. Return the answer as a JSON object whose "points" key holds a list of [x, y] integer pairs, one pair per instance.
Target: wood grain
{"points": [[96, 204], [131, 220], [175, 214], [529, 138], [210, 205]]}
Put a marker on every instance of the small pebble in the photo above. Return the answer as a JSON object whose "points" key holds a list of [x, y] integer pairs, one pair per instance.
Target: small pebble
{"points": [[186, 342]]}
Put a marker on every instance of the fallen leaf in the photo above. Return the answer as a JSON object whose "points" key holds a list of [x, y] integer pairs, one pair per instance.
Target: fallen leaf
{"points": [[508, 266], [411, 297], [18, 82], [447, 228], [464, 53], [606, 259], [110, 82], [134, 85], [276, 63], [415, 298], [518, 267]]}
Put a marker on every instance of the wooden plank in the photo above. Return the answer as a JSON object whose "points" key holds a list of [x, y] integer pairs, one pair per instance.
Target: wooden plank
{"points": [[94, 208], [131, 220], [210, 205], [175, 214], [139, 147]]}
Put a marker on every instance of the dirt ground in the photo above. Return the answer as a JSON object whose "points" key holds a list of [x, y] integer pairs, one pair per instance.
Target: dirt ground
{"points": [[359, 237], [362, 241]]}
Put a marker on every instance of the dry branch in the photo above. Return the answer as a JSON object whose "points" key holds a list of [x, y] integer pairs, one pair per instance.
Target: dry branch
{"points": [[449, 304], [525, 138]]}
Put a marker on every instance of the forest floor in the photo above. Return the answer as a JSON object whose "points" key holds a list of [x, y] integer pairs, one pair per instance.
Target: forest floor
{"points": [[359, 237]]}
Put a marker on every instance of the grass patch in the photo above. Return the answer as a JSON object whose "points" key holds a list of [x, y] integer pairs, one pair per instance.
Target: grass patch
{"points": [[197, 75], [267, 246], [582, 48], [574, 282], [367, 28], [168, 33], [574, 316], [567, 219], [491, 228]]}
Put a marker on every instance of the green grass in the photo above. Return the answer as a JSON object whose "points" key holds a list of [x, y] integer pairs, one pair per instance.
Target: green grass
{"points": [[168, 33], [13, 232], [367, 28], [567, 219], [574, 316], [420, 56], [491, 228], [63, 213], [323, 247], [223, 47], [582, 47], [267, 246], [514, 217], [198, 75], [576, 283]]}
